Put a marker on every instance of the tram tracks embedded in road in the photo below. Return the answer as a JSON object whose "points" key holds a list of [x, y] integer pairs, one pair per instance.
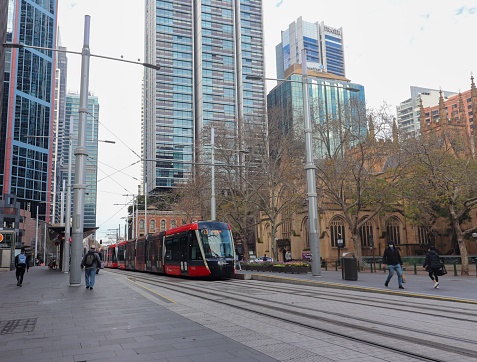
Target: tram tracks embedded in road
{"points": [[307, 317]]}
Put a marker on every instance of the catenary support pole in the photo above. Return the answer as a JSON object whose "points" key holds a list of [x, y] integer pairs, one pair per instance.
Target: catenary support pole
{"points": [[66, 249], [80, 164], [212, 197], [36, 235], [310, 177]]}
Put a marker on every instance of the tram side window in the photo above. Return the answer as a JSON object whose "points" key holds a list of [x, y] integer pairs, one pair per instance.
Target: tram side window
{"points": [[194, 250], [168, 253], [172, 249], [120, 254]]}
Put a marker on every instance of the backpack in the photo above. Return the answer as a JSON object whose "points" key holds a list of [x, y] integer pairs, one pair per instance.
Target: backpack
{"points": [[90, 258], [21, 259]]}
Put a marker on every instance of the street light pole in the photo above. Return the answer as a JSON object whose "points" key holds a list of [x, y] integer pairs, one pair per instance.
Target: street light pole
{"points": [[66, 248], [145, 209], [310, 168], [36, 233], [80, 165], [212, 197]]}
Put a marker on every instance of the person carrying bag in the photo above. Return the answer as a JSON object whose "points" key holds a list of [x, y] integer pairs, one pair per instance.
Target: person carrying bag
{"points": [[433, 265]]}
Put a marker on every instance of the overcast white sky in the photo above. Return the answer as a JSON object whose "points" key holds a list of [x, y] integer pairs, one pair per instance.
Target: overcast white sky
{"points": [[390, 45]]}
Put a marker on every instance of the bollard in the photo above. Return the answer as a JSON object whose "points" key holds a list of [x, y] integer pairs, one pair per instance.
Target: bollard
{"points": [[415, 268], [326, 265], [476, 267], [455, 269], [336, 265]]}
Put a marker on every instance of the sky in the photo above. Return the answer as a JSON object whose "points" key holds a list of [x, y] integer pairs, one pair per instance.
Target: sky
{"points": [[390, 45]]}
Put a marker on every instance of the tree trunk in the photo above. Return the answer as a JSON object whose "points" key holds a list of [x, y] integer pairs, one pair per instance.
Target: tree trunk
{"points": [[462, 248], [357, 250]]}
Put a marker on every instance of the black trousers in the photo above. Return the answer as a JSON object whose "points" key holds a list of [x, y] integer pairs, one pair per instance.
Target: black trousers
{"points": [[20, 272], [433, 274]]}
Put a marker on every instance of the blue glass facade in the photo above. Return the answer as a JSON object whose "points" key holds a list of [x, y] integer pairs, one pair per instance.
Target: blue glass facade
{"points": [[28, 101], [205, 50], [330, 100], [92, 120]]}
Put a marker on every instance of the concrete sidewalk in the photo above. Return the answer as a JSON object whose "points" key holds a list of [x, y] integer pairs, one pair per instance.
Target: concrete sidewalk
{"points": [[458, 288], [47, 320]]}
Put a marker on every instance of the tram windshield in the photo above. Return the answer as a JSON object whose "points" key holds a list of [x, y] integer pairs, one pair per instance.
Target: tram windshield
{"points": [[217, 243]]}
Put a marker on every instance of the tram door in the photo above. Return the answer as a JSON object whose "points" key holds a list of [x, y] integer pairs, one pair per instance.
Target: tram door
{"points": [[183, 242]]}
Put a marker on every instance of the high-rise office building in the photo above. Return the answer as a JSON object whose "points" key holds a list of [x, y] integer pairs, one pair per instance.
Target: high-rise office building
{"points": [[28, 104], [333, 100], [408, 111], [3, 38], [91, 135], [323, 44], [205, 50], [59, 135]]}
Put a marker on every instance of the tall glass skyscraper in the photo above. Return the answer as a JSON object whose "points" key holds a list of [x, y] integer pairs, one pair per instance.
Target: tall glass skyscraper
{"points": [[26, 127], [333, 101], [92, 120], [323, 44], [205, 48], [59, 135]]}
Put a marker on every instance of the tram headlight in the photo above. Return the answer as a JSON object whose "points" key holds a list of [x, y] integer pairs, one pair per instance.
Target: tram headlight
{"points": [[222, 262]]}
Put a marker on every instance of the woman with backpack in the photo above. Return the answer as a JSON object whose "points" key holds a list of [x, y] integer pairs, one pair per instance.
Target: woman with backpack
{"points": [[432, 264]]}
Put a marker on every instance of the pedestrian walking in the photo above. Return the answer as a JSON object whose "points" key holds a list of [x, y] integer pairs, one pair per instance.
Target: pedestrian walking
{"points": [[432, 264], [21, 264], [238, 259], [392, 259], [288, 256], [90, 262]]}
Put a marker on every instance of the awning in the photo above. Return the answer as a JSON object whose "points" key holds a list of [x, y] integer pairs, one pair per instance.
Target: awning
{"points": [[60, 230]]}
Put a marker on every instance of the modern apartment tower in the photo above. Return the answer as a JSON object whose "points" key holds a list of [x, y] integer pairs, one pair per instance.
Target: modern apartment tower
{"points": [[26, 127], [408, 111], [205, 49], [323, 44], [92, 121]]}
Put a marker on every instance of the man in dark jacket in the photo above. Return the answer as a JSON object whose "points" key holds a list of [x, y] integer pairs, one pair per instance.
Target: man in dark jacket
{"points": [[433, 264], [392, 259], [21, 264], [90, 262]]}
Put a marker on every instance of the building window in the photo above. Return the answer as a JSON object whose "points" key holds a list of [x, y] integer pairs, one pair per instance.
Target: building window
{"points": [[163, 225], [141, 224], [422, 235], [337, 231], [366, 234], [393, 230], [173, 224], [153, 225]]}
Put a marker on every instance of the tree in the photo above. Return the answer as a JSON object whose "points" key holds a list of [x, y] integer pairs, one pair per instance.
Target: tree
{"points": [[193, 197], [355, 173], [272, 181], [446, 172]]}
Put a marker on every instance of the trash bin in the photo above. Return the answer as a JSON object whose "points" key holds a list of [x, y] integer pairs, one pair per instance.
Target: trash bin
{"points": [[349, 267]]}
